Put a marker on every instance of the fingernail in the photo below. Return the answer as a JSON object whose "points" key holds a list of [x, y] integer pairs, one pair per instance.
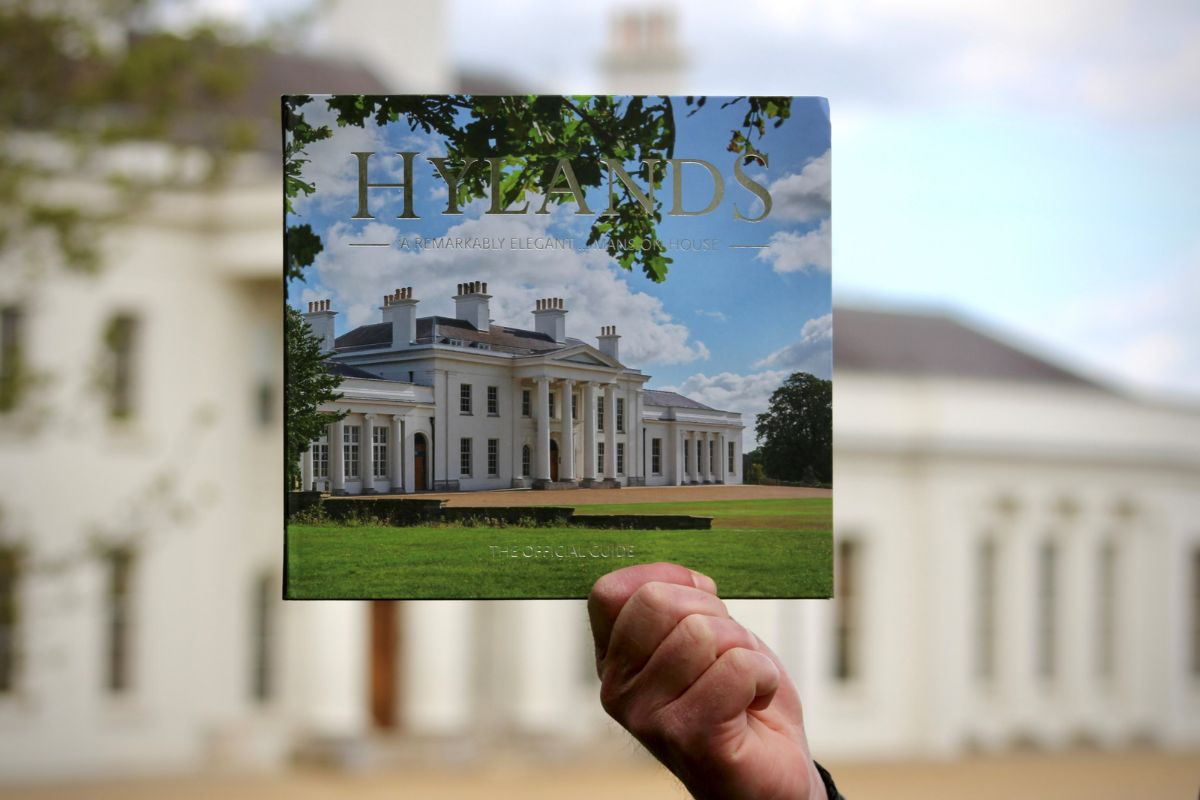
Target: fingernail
{"points": [[701, 581]]}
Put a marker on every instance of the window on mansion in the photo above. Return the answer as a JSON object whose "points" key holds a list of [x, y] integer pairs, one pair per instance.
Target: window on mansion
{"points": [[464, 398], [350, 443], [620, 415], [656, 456], [464, 457], [493, 457], [320, 454], [493, 401], [379, 451]]}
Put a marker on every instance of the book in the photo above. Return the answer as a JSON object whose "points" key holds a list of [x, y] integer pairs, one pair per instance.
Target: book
{"points": [[533, 339]]}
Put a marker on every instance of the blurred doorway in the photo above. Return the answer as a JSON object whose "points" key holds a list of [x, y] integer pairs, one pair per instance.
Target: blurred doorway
{"points": [[385, 664]]}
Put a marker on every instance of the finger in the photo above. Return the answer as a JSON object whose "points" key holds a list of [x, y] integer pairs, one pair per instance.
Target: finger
{"points": [[646, 619], [611, 592], [686, 654], [736, 681], [787, 695]]}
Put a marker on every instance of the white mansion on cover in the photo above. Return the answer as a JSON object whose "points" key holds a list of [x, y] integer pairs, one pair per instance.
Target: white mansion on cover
{"points": [[463, 403]]}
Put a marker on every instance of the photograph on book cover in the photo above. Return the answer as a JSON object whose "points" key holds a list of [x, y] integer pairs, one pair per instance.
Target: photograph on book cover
{"points": [[530, 340]]}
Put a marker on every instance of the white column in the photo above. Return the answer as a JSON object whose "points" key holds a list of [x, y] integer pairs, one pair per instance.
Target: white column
{"points": [[333, 672], [366, 463], [706, 456], [693, 458], [396, 453], [610, 431], [589, 431], [543, 429], [306, 469], [676, 440], [337, 457], [566, 449], [439, 667]]}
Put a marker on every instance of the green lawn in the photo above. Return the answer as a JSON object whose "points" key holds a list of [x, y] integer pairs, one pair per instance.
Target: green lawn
{"points": [[758, 548]]}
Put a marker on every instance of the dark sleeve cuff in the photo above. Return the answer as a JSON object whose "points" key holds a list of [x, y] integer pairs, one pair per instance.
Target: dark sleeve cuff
{"points": [[830, 787]]}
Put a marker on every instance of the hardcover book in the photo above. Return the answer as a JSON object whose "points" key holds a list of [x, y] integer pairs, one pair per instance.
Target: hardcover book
{"points": [[534, 339]]}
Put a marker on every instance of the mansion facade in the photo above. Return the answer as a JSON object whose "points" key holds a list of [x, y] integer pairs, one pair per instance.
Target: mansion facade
{"points": [[449, 404]]}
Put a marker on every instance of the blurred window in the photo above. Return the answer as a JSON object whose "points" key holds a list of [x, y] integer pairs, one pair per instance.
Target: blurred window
{"points": [[656, 456], [120, 341], [525, 402], [1106, 610], [846, 610], [620, 415], [525, 459], [600, 459], [574, 406], [732, 464], [262, 641], [9, 617], [493, 457], [12, 328], [985, 621], [1195, 612], [264, 405], [493, 401], [119, 609], [1047, 611], [620, 458], [552, 409], [600, 413]]}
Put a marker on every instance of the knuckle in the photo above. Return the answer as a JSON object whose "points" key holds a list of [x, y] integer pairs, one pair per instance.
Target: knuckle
{"points": [[653, 595], [698, 631]]}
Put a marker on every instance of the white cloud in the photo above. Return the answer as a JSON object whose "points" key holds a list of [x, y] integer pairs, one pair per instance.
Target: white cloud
{"points": [[803, 196], [358, 277], [796, 252], [719, 316], [728, 391], [812, 353], [1147, 335]]}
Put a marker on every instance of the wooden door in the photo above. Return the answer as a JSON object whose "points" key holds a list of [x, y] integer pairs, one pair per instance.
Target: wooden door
{"points": [[385, 656], [553, 460], [419, 470]]}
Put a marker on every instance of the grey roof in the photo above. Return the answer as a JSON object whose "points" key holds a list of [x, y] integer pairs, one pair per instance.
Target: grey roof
{"points": [[347, 371], [935, 344], [657, 397], [498, 337]]}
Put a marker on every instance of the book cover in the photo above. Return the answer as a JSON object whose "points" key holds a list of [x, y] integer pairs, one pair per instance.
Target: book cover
{"points": [[534, 339]]}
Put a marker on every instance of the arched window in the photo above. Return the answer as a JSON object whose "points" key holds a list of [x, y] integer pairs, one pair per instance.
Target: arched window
{"points": [[525, 461]]}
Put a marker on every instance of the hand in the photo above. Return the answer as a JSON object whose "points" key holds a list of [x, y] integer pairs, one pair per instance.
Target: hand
{"points": [[702, 693]]}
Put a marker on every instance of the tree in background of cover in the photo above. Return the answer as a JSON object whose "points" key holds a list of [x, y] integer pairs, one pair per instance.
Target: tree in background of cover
{"points": [[796, 431]]}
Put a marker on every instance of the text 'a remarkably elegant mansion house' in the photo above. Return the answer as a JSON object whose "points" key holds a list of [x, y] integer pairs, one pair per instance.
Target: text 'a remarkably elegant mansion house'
{"points": [[446, 404]]}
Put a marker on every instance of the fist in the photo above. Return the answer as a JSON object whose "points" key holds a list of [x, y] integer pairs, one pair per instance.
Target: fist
{"points": [[702, 693]]}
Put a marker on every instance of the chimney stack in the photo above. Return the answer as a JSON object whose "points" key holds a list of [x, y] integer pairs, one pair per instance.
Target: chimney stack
{"points": [[400, 309], [608, 342], [550, 318], [471, 305], [320, 320]]}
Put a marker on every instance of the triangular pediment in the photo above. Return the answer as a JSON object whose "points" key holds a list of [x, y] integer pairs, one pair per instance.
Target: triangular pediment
{"points": [[584, 354]]}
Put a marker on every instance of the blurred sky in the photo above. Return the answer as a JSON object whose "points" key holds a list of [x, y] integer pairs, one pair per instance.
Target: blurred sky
{"points": [[1032, 164]]}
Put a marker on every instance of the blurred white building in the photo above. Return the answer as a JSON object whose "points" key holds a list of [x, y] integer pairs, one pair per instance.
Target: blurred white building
{"points": [[1018, 548]]}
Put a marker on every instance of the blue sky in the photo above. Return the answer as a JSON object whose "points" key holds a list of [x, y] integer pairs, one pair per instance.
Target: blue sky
{"points": [[720, 311], [1027, 165]]}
